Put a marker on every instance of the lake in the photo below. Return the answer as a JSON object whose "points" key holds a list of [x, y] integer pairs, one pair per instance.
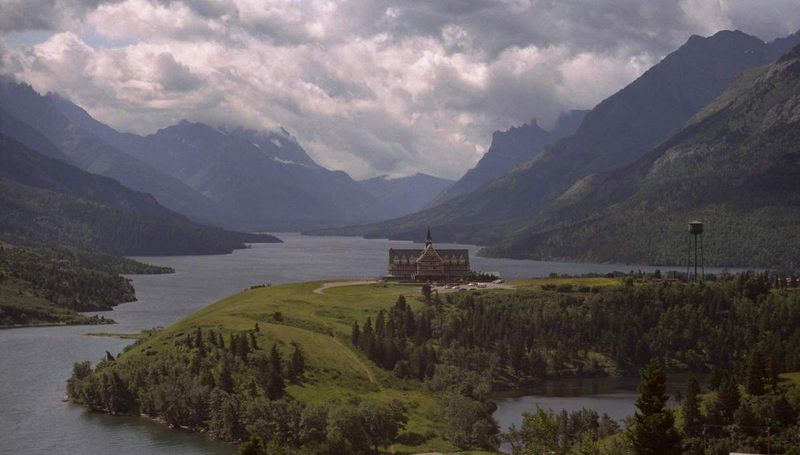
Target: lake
{"points": [[35, 362]]}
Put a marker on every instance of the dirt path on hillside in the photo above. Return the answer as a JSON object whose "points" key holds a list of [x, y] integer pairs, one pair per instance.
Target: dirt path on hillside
{"points": [[336, 284], [469, 287], [357, 360]]}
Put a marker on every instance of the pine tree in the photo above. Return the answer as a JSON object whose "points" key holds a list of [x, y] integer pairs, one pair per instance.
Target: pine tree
{"points": [[653, 431], [756, 373], [255, 446], [691, 410], [355, 334], [367, 338], [199, 343], [275, 385], [426, 293], [225, 375], [728, 399], [297, 364]]}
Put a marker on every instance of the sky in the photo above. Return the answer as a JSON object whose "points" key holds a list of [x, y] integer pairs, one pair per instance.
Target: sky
{"points": [[371, 87]]}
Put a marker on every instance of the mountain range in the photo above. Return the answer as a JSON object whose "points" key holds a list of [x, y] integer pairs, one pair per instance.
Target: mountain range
{"points": [[616, 133], [402, 195], [508, 149], [236, 178], [736, 166], [45, 200]]}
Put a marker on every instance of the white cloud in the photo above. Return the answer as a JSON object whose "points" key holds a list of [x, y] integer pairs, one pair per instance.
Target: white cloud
{"points": [[368, 86]]}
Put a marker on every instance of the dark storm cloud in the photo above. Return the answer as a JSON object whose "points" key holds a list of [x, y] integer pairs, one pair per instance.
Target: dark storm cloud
{"points": [[369, 86], [20, 15], [175, 76]]}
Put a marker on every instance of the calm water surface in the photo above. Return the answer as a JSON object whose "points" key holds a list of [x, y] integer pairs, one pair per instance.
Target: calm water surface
{"points": [[34, 363]]}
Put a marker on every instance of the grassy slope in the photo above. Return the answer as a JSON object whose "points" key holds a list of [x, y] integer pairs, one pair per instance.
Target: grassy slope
{"points": [[320, 323]]}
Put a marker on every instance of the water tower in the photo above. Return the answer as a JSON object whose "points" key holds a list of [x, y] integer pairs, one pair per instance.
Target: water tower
{"points": [[695, 235]]}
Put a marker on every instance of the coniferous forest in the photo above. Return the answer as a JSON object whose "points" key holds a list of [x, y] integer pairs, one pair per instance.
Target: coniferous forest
{"points": [[527, 335]]}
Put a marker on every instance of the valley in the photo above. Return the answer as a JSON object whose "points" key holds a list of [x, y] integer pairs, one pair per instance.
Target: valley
{"points": [[239, 193]]}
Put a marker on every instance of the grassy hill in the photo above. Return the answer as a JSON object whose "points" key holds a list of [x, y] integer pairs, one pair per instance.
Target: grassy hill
{"points": [[320, 323], [317, 318], [231, 369]]}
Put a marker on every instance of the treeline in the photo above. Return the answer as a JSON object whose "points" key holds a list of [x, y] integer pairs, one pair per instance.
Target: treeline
{"points": [[40, 285], [76, 280], [520, 337], [398, 341], [234, 389], [402, 342], [750, 411], [736, 326], [765, 237], [545, 431], [742, 412]]}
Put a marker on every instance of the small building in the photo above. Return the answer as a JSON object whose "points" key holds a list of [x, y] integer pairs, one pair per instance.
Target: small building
{"points": [[428, 264]]}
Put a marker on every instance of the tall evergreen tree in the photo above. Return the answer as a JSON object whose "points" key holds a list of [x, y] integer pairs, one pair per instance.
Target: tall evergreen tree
{"points": [[756, 373], [355, 334], [297, 364], [728, 399], [653, 431], [225, 374], [275, 384], [691, 410]]}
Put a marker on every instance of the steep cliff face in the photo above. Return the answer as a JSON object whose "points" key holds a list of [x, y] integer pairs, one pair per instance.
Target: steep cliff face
{"points": [[509, 149]]}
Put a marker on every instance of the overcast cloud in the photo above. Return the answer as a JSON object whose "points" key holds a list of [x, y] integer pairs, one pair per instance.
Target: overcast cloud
{"points": [[368, 86]]}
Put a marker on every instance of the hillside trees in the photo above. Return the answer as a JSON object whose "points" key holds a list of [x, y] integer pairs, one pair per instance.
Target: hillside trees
{"points": [[653, 431], [228, 385]]}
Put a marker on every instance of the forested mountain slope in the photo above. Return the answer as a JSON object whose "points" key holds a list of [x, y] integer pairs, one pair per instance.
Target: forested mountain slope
{"points": [[47, 201], [257, 181], [736, 166], [83, 148], [615, 133]]}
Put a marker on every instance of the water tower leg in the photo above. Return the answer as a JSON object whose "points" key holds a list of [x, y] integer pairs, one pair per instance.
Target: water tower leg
{"points": [[695, 259], [702, 260]]}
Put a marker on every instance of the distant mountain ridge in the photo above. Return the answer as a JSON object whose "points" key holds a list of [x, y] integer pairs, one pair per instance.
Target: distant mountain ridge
{"points": [[509, 149], [237, 178], [615, 133], [736, 166], [83, 148], [47, 201], [258, 181], [399, 196]]}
